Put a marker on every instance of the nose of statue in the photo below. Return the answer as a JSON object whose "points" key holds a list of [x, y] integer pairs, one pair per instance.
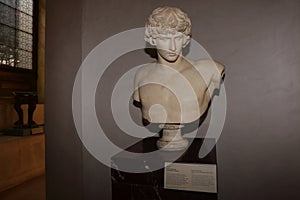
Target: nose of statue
{"points": [[172, 46]]}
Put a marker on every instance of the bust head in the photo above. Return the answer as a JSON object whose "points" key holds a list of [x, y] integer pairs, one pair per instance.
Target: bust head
{"points": [[169, 29]]}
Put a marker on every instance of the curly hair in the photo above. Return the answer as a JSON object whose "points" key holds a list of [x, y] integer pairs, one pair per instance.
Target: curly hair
{"points": [[167, 19]]}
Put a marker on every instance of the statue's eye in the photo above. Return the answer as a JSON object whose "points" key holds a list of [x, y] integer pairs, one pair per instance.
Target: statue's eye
{"points": [[178, 38]]}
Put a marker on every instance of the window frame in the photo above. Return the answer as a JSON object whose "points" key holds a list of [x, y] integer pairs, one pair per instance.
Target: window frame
{"points": [[21, 79]]}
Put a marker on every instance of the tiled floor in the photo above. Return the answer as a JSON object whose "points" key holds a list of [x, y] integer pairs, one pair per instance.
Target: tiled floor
{"points": [[30, 190]]}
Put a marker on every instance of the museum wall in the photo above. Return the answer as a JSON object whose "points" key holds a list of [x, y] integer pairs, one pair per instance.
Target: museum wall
{"points": [[62, 59], [258, 42], [41, 51]]}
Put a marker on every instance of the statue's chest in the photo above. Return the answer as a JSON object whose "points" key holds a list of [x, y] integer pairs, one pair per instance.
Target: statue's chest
{"points": [[165, 86]]}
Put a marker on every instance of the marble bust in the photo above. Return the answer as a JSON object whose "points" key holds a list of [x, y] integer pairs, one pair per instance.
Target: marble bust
{"points": [[174, 91]]}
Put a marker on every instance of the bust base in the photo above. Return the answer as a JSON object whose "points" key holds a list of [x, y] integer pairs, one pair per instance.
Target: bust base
{"points": [[172, 145], [150, 185], [171, 138]]}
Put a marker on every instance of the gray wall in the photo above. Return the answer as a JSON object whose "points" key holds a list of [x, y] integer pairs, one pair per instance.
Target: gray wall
{"points": [[63, 58], [259, 43]]}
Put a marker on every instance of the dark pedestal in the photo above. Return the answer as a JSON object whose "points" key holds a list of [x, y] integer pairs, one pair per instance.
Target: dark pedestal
{"points": [[150, 185], [29, 98], [25, 131]]}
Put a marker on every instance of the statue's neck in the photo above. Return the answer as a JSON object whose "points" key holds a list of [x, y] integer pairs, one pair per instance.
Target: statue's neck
{"points": [[176, 64], [179, 64]]}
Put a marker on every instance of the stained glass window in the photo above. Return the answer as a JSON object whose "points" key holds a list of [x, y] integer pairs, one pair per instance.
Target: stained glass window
{"points": [[16, 33]]}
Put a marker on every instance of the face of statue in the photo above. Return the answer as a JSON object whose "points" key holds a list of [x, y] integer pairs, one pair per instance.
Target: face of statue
{"points": [[169, 46]]}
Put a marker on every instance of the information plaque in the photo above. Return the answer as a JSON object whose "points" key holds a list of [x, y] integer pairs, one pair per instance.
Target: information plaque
{"points": [[191, 177]]}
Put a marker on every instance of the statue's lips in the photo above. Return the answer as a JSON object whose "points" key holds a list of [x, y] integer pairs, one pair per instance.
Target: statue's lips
{"points": [[172, 54]]}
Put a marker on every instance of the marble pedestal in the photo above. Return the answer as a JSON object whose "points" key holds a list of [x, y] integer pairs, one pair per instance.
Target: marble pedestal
{"points": [[150, 185]]}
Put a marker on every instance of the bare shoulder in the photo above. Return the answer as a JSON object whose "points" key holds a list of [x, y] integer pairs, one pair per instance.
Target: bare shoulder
{"points": [[220, 66], [144, 70], [210, 64]]}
